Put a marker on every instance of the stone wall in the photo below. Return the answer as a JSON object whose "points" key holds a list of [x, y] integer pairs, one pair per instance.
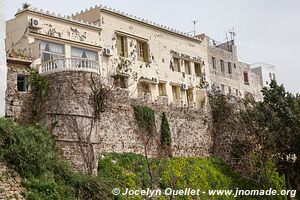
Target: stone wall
{"points": [[16, 102], [80, 138], [10, 183]]}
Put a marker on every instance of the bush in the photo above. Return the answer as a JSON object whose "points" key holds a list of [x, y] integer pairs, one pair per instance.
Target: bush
{"points": [[130, 171], [30, 150]]}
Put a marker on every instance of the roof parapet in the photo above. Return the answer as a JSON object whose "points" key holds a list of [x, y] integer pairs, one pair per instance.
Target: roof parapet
{"points": [[64, 17], [118, 12]]}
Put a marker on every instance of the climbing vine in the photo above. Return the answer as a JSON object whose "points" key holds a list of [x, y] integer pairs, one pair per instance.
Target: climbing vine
{"points": [[165, 137], [39, 93], [145, 117], [100, 95]]}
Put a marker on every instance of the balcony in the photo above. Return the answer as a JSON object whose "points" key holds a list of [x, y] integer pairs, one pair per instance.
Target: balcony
{"points": [[69, 64]]}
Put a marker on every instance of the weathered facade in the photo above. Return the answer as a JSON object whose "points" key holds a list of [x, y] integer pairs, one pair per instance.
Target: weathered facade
{"points": [[227, 74], [142, 62], [2, 61], [266, 72]]}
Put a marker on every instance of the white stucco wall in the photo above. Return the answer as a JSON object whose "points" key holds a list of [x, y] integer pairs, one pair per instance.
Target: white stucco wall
{"points": [[3, 67]]}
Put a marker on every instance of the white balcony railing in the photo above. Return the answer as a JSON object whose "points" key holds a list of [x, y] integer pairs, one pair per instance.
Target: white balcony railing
{"points": [[69, 64]]}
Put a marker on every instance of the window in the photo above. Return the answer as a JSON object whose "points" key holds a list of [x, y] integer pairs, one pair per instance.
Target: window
{"points": [[246, 78], [187, 67], [162, 89], [190, 97], [83, 53], [22, 83], [122, 46], [229, 68], [51, 51], [198, 69], [142, 51], [236, 92], [176, 64], [222, 66], [176, 92], [214, 62]]}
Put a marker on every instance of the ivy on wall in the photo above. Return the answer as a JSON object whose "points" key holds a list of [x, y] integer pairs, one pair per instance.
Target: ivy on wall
{"points": [[145, 117], [40, 91]]}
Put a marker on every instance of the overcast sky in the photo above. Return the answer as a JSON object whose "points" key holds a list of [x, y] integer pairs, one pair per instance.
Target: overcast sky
{"points": [[267, 30]]}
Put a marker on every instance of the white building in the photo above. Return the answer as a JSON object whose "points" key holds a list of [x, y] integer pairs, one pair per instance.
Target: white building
{"points": [[265, 71], [3, 70]]}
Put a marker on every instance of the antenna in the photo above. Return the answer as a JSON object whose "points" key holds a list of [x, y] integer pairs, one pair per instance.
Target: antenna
{"points": [[232, 33], [194, 22], [194, 31]]}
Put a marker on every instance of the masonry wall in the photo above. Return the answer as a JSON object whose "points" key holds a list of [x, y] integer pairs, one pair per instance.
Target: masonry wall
{"points": [[3, 69], [17, 106], [10, 183], [70, 116]]}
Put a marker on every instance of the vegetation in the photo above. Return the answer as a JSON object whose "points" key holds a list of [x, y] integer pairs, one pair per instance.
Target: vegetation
{"points": [[130, 171], [267, 134], [145, 117], [39, 88], [30, 151], [165, 131]]}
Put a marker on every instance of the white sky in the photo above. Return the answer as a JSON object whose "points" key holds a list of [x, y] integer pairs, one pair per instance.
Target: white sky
{"points": [[267, 30]]}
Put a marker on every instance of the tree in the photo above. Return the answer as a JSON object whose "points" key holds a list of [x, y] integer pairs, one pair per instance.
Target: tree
{"points": [[274, 126]]}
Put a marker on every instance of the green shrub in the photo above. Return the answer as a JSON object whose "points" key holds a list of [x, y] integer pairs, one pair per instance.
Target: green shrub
{"points": [[128, 170], [30, 150], [165, 131], [145, 118]]}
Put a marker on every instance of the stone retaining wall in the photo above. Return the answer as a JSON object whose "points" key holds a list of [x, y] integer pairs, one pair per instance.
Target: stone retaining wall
{"points": [[69, 111]]}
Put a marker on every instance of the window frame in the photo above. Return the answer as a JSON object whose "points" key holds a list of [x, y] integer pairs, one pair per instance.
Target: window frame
{"points": [[76, 47], [214, 62], [162, 89], [25, 87], [175, 67], [198, 74], [229, 66], [62, 55], [122, 48], [187, 67], [222, 64], [246, 78], [143, 51]]}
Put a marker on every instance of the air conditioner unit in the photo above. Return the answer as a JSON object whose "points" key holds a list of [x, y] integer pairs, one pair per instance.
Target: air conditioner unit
{"points": [[155, 80], [107, 52], [185, 87], [35, 23]]}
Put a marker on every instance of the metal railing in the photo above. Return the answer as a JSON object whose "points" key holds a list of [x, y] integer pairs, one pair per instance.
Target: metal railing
{"points": [[69, 64]]}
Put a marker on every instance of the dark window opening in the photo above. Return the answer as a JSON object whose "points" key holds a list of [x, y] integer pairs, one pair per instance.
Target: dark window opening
{"points": [[246, 78], [229, 68], [22, 83]]}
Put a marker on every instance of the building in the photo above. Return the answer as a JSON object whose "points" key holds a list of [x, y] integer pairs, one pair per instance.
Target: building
{"points": [[250, 83], [3, 70], [265, 71], [152, 62], [227, 74]]}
